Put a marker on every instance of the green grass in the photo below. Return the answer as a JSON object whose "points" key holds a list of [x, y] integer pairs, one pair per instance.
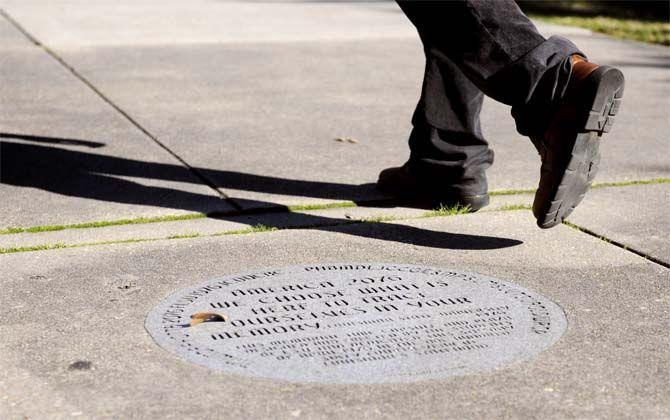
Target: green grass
{"points": [[442, 211], [512, 207], [447, 211], [252, 229], [379, 219], [184, 236], [258, 228], [596, 185], [104, 223], [655, 32], [46, 247], [307, 207], [32, 248], [512, 192], [631, 183]]}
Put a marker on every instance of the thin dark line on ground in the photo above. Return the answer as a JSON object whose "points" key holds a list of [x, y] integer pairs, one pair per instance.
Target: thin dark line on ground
{"points": [[127, 116], [618, 244]]}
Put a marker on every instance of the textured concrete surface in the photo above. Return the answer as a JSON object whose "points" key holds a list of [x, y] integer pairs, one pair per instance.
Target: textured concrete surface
{"points": [[253, 95], [173, 22], [636, 216], [88, 305], [68, 157], [265, 131], [154, 22], [218, 98], [302, 96]]}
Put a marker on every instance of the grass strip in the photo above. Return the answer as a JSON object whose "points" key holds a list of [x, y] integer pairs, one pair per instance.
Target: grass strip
{"points": [[260, 228], [307, 207], [105, 223], [447, 211], [654, 32], [594, 186], [378, 219], [444, 211], [513, 207], [631, 183], [32, 248], [512, 192], [252, 229]]}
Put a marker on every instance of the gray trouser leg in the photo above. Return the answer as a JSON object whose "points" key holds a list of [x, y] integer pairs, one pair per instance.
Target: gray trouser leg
{"points": [[474, 47]]}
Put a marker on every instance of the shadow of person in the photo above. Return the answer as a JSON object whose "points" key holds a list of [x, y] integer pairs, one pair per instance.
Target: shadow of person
{"points": [[101, 177]]}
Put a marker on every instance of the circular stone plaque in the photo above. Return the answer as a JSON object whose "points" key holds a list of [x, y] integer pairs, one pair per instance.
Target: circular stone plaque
{"points": [[355, 323]]}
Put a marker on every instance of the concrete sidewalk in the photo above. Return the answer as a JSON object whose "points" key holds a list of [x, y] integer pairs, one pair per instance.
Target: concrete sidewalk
{"points": [[149, 146]]}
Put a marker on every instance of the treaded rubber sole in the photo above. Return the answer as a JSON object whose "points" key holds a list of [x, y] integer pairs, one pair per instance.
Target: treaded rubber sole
{"points": [[582, 166]]}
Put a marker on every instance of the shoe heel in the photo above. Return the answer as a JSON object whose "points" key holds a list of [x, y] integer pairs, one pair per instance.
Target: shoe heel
{"points": [[607, 99]]}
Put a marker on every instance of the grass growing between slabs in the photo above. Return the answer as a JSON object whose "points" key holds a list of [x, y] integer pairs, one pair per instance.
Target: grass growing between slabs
{"points": [[447, 211], [632, 183], [514, 207], [104, 223], [597, 185], [46, 247], [257, 228], [308, 207], [654, 32], [442, 211]]}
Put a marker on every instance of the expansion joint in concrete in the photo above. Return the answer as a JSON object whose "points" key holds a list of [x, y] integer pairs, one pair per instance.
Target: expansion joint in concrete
{"points": [[116, 107], [618, 244]]}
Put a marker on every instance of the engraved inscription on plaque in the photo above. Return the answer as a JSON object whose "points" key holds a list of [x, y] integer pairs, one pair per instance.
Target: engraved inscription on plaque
{"points": [[356, 323]]}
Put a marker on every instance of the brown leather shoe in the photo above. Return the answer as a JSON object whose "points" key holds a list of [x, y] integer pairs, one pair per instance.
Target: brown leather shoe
{"points": [[400, 182], [570, 146]]}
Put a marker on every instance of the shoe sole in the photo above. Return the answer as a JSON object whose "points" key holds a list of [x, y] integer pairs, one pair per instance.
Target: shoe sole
{"points": [[584, 160]]}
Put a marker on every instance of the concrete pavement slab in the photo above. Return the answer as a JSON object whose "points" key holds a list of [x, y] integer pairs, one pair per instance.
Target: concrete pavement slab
{"points": [[69, 157], [233, 99], [206, 77], [233, 89], [635, 216], [243, 109], [173, 22], [262, 121], [72, 327]]}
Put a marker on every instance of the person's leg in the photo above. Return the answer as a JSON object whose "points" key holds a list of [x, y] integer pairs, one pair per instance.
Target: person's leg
{"points": [[562, 106], [448, 153], [447, 138], [499, 49]]}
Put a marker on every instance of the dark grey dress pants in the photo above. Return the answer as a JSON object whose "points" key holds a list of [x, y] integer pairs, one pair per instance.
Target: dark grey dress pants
{"points": [[475, 48]]}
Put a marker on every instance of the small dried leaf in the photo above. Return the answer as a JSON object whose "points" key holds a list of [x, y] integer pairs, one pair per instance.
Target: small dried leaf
{"points": [[200, 317]]}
